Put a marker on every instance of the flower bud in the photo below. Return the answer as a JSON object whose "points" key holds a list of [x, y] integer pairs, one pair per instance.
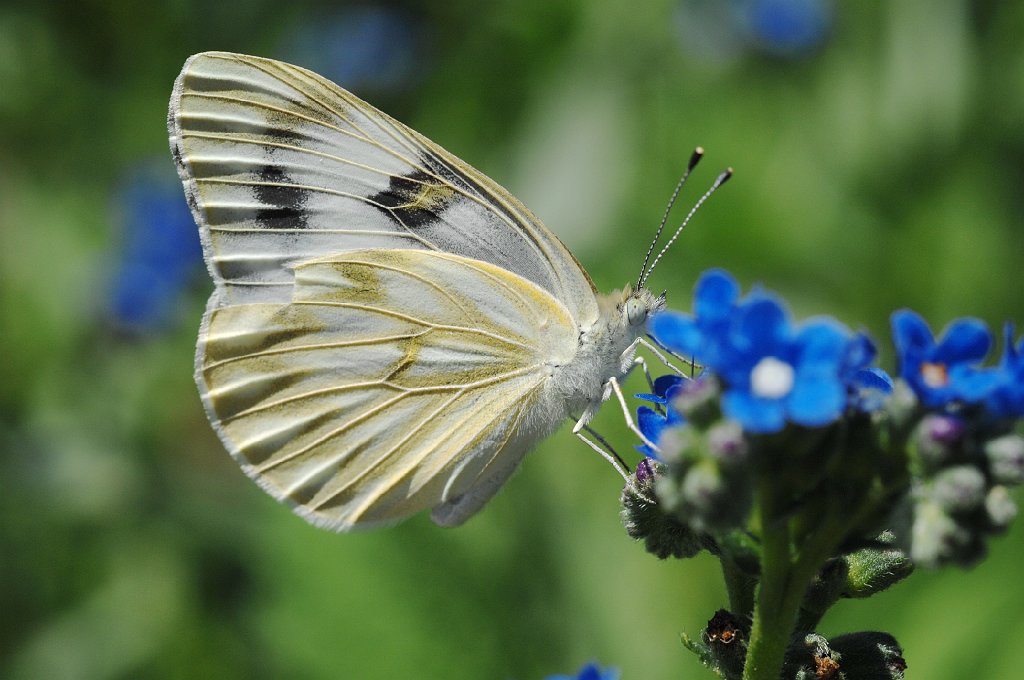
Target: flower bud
{"points": [[678, 444], [703, 487], [727, 444], [938, 438], [1006, 459], [902, 406], [644, 519], [936, 538], [697, 400], [872, 570], [869, 656], [960, 489], [644, 473], [1000, 508], [726, 637]]}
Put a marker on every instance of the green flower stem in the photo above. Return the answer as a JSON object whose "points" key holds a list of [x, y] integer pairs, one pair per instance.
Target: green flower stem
{"points": [[786, 573], [776, 607], [740, 587]]}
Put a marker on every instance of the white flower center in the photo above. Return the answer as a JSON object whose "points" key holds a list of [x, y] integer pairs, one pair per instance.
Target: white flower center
{"points": [[772, 378]]}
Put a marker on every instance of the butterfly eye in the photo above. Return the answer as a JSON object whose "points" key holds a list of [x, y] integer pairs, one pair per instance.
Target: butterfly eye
{"points": [[636, 312]]}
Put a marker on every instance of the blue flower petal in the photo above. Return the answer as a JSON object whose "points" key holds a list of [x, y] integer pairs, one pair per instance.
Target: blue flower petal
{"points": [[761, 325], [910, 333], [650, 422], [974, 384], [860, 352], [816, 401], [873, 378], [678, 332], [662, 384], [755, 414], [964, 340], [822, 342], [714, 295]]}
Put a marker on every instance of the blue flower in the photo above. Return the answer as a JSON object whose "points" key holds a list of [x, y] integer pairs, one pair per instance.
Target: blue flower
{"points": [[946, 371], [160, 252], [362, 48], [1006, 398], [772, 372], [662, 385], [868, 385], [589, 672], [652, 422], [788, 26], [777, 372]]}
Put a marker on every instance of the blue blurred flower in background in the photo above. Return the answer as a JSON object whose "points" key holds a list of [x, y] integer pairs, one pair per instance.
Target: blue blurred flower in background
{"points": [[159, 251], [788, 27], [724, 31], [368, 48], [589, 672]]}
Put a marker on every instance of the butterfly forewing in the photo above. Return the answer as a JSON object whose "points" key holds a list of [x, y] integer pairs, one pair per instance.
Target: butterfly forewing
{"points": [[281, 165]]}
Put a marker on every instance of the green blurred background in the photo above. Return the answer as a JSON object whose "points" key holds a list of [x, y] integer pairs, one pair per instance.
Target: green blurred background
{"points": [[879, 157]]}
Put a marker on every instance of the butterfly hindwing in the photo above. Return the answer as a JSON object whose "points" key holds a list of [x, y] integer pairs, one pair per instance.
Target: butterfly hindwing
{"points": [[392, 381]]}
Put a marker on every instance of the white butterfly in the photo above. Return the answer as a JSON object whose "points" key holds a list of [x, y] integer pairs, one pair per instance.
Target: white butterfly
{"points": [[390, 330]]}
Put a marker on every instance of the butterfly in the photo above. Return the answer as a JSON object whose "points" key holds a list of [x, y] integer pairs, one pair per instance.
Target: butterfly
{"points": [[390, 330]]}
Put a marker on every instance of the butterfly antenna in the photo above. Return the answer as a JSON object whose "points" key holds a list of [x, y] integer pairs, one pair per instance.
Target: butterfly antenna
{"points": [[695, 157], [719, 181]]}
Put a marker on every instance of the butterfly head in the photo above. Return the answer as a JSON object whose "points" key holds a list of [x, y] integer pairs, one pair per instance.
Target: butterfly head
{"points": [[634, 306]]}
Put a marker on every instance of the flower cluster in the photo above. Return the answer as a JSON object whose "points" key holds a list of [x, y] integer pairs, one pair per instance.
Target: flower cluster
{"points": [[815, 476], [962, 450], [804, 405]]}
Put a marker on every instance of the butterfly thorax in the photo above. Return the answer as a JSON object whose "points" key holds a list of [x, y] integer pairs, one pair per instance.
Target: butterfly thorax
{"points": [[606, 348]]}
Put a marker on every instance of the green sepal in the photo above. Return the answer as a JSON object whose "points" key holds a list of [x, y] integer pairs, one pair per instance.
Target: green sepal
{"points": [[872, 570]]}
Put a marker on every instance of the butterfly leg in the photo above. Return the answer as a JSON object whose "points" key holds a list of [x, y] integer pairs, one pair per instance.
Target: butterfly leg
{"points": [[607, 452], [650, 347], [630, 423]]}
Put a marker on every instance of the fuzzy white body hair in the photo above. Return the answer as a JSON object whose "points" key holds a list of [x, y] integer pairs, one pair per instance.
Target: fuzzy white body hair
{"points": [[574, 389]]}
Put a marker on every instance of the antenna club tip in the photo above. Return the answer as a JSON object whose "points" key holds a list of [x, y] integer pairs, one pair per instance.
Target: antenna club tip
{"points": [[695, 157], [724, 177]]}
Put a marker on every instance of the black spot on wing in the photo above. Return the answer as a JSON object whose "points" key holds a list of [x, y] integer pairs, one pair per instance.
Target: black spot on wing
{"points": [[456, 177], [283, 202], [450, 173], [400, 199]]}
